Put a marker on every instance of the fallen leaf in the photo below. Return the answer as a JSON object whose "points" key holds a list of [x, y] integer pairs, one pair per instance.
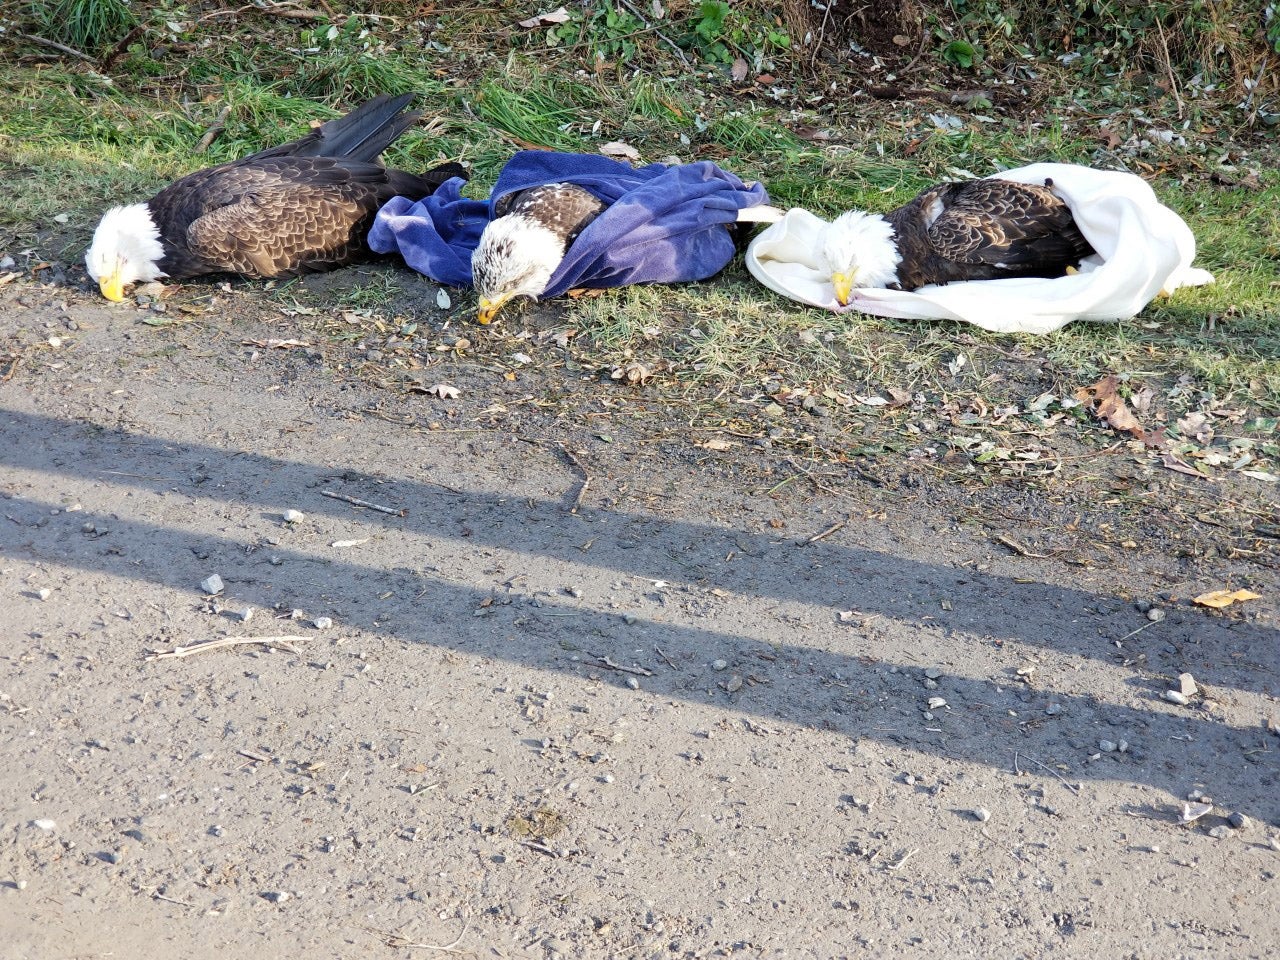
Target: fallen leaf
{"points": [[1108, 405], [900, 397], [806, 132], [1217, 599], [444, 391], [546, 19], [765, 79], [349, 543], [1261, 475], [739, 70], [716, 444], [442, 299], [872, 401], [1169, 461], [616, 148]]}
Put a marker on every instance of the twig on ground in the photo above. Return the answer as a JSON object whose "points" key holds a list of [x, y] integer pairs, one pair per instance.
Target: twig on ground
{"points": [[220, 643], [658, 33], [665, 659], [1019, 549], [827, 532], [898, 864], [809, 476], [572, 458], [1134, 633], [156, 895], [1074, 788], [356, 501], [53, 44], [540, 847], [218, 126], [586, 479], [396, 940], [1168, 66], [116, 52], [256, 757], [606, 662]]}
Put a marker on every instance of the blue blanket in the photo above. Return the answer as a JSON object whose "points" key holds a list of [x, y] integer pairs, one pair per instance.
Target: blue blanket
{"points": [[664, 224]]}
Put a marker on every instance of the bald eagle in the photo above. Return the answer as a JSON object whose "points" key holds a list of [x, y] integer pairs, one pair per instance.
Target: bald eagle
{"points": [[523, 245], [299, 207], [972, 230]]}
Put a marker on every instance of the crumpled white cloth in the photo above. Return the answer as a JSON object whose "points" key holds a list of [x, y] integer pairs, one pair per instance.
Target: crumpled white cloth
{"points": [[1143, 249]]}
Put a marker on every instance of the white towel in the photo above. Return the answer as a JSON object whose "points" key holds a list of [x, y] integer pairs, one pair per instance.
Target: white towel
{"points": [[1143, 249]]}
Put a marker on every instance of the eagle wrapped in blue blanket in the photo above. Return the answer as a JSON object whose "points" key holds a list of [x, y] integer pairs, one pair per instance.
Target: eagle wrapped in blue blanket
{"points": [[556, 222]]}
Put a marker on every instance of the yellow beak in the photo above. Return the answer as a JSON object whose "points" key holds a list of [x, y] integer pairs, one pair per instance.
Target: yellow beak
{"points": [[843, 286], [489, 309], [112, 287]]}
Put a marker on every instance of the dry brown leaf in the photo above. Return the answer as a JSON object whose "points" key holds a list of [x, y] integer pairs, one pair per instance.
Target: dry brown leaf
{"points": [[1108, 405], [618, 149], [716, 444], [739, 70], [546, 19], [1217, 599]]}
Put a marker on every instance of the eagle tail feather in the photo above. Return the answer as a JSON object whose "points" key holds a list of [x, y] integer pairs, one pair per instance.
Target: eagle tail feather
{"points": [[367, 130]]}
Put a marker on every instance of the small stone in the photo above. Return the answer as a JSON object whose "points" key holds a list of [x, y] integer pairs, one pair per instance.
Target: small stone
{"points": [[981, 814], [1175, 696], [607, 778], [22, 884], [733, 684], [1220, 832], [719, 665], [628, 618], [322, 623], [929, 684], [1123, 746], [55, 342], [937, 703], [44, 824], [1107, 746], [1238, 820], [216, 830], [1053, 709], [243, 615], [1155, 614], [1274, 841], [212, 585], [7, 262], [932, 673], [293, 516], [633, 683], [277, 896], [1187, 685], [573, 592], [44, 593]]}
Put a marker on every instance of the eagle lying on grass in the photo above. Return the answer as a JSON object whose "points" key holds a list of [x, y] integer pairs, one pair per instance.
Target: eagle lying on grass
{"points": [[972, 230], [523, 245], [300, 207]]}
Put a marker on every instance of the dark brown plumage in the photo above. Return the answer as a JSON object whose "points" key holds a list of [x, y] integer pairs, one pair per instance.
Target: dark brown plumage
{"points": [[303, 206], [296, 208], [983, 230]]}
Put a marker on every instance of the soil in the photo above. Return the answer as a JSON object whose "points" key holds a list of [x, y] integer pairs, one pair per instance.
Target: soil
{"points": [[588, 689]]}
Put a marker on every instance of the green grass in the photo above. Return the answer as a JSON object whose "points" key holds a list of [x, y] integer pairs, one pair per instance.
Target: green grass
{"points": [[75, 141]]}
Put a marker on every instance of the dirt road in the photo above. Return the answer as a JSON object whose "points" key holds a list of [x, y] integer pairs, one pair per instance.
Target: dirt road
{"points": [[515, 717]]}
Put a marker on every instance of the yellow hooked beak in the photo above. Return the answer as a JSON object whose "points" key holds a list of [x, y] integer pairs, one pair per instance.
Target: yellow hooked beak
{"points": [[844, 287], [112, 286], [489, 309]]}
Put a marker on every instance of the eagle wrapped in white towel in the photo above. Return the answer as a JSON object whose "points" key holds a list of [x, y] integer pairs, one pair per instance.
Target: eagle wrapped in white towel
{"points": [[1141, 249]]}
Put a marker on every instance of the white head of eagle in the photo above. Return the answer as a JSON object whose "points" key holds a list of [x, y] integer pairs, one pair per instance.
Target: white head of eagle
{"points": [[861, 252], [516, 257], [126, 249]]}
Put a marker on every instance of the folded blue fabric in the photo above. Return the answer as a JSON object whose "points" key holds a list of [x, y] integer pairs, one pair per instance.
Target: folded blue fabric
{"points": [[664, 224]]}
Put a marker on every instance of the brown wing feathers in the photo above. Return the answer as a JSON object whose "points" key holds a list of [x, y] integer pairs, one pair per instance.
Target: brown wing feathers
{"points": [[986, 229], [303, 206]]}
